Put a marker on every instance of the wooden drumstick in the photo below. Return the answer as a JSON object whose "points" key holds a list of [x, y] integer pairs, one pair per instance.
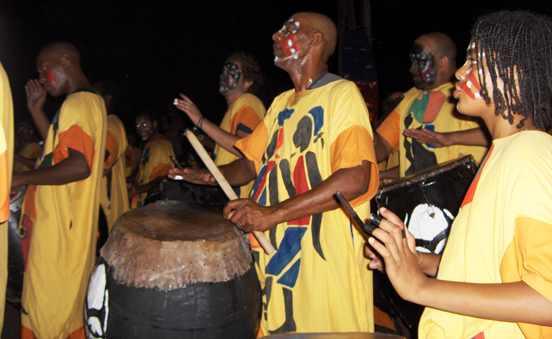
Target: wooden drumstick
{"points": [[221, 180]]}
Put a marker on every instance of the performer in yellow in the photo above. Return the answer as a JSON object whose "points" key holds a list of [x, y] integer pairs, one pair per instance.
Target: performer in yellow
{"points": [[156, 159], [316, 139], [60, 211], [27, 148], [426, 106], [495, 275], [114, 195], [6, 152], [240, 78]]}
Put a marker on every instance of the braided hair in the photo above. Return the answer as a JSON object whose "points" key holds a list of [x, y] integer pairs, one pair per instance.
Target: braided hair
{"points": [[517, 47]]}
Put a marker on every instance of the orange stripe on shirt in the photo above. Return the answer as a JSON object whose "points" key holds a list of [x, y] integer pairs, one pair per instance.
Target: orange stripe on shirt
{"points": [[112, 146], [471, 191], [76, 139]]}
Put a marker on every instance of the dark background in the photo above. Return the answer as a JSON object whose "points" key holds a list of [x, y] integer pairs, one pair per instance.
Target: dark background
{"points": [[155, 50]]}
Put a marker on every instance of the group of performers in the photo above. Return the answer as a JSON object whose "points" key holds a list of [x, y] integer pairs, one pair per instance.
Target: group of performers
{"points": [[287, 163]]}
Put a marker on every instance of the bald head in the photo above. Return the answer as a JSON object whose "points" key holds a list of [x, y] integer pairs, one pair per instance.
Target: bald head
{"points": [[61, 48], [324, 25], [442, 44]]}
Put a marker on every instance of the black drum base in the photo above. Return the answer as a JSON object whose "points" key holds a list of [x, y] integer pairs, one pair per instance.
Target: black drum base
{"points": [[228, 309], [184, 191]]}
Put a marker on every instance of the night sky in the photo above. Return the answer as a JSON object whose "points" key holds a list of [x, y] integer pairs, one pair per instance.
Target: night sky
{"points": [[154, 50]]}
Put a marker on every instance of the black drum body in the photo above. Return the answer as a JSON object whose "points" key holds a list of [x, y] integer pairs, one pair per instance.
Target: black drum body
{"points": [[226, 309], [427, 202], [174, 270], [180, 190]]}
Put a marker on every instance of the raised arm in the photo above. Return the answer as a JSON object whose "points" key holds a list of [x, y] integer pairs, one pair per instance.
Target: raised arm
{"points": [[224, 139], [36, 97]]}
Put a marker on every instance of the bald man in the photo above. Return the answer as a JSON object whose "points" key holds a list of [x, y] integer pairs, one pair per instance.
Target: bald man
{"points": [[60, 211], [314, 140], [429, 105]]}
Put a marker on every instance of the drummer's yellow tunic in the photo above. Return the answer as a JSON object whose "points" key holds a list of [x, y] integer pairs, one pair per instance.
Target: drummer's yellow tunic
{"points": [[156, 162], [318, 280], [243, 115], [6, 122], [30, 151], [114, 201], [60, 222]]}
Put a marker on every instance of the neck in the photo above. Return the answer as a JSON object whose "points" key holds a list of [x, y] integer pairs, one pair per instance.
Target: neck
{"points": [[501, 128], [232, 95], [305, 74], [76, 82]]}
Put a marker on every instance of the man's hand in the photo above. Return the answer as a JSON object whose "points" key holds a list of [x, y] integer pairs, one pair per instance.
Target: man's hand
{"points": [[36, 95], [399, 255], [425, 136], [195, 176], [187, 106], [252, 216]]}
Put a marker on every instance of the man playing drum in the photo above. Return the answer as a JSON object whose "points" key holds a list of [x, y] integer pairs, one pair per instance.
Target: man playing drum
{"points": [[60, 212], [428, 105], [495, 275], [315, 139]]}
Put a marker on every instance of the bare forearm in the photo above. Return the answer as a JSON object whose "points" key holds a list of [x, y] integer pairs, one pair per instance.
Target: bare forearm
{"points": [[239, 172], [382, 147], [352, 182], [66, 171], [429, 263], [513, 302], [392, 173], [41, 121], [470, 137], [224, 139]]}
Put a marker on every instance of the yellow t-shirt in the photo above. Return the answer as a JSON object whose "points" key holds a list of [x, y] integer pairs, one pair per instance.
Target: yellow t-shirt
{"points": [[243, 115], [434, 110], [4, 179], [115, 203], [317, 279], [59, 223], [501, 234], [31, 151], [156, 162]]}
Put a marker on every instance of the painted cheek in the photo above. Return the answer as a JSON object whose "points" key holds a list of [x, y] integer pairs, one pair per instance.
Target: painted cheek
{"points": [[51, 77], [290, 45], [471, 86]]}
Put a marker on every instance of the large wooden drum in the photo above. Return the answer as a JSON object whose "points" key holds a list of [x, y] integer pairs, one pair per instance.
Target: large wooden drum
{"points": [[174, 270]]}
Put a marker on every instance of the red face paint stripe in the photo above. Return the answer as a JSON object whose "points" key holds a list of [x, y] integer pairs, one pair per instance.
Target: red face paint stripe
{"points": [[294, 42], [474, 81], [467, 90], [51, 77], [285, 46]]}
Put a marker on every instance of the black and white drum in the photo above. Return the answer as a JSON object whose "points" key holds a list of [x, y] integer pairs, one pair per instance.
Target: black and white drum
{"points": [[427, 202], [173, 269]]}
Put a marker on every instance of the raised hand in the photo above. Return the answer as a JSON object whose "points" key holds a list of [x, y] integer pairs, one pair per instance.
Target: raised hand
{"points": [[187, 106], [399, 255], [36, 95]]}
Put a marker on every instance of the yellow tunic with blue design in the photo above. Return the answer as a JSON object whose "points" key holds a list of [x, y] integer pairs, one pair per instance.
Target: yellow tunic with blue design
{"points": [[317, 280], [243, 115]]}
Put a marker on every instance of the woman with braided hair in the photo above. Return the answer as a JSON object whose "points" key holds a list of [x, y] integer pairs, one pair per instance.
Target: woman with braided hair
{"points": [[495, 274]]}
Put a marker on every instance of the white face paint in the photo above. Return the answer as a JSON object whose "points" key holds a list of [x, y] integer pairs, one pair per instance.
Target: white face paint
{"points": [[288, 42]]}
